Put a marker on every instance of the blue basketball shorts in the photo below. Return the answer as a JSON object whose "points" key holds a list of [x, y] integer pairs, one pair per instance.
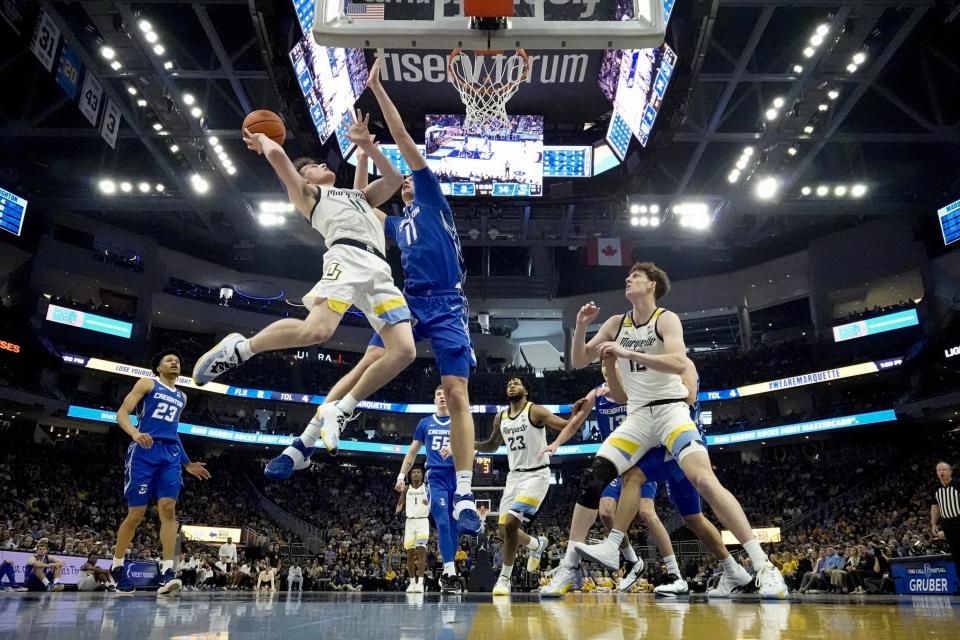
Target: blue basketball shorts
{"points": [[152, 473]]}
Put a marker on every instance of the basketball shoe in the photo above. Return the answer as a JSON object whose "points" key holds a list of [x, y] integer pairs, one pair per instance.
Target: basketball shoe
{"points": [[293, 458], [730, 582], [533, 558], [606, 553], [672, 587], [450, 584], [465, 513], [223, 357], [502, 588], [124, 585], [169, 583], [332, 421], [637, 569], [770, 583], [564, 579]]}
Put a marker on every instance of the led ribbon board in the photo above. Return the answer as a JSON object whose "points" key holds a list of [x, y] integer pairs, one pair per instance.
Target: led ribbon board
{"points": [[873, 326], [89, 321]]}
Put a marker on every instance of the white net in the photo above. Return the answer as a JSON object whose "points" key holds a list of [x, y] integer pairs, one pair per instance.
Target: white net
{"points": [[486, 80]]}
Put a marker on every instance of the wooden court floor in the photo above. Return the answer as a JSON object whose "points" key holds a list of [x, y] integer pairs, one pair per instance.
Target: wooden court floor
{"points": [[359, 616]]}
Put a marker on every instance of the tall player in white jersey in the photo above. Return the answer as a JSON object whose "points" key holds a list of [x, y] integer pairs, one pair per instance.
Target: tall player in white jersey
{"points": [[521, 427], [648, 344], [415, 500], [355, 272]]}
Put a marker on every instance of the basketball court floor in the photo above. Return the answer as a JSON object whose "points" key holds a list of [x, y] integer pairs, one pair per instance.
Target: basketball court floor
{"points": [[382, 616]]}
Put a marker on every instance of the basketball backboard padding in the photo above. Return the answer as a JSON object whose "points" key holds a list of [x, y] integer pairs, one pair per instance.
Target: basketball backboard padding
{"points": [[536, 25]]}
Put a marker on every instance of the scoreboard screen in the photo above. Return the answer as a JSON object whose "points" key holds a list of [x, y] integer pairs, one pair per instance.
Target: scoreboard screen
{"points": [[483, 466], [950, 222], [618, 135], [12, 210], [567, 162]]}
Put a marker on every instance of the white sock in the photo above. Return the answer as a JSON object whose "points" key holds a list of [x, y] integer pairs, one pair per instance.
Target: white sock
{"points": [[571, 559], [672, 566], [420, 580], [614, 537], [506, 571], [757, 556], [165, 566], [117, 562], [628, 553], [347, 404], [464, 481], [534, 544], [46, 582], [309, 438], [449, 569], [243, 348], [729, 565]]}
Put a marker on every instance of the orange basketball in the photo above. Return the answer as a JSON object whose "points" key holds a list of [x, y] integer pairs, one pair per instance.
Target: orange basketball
{"points": [[266, 122]]}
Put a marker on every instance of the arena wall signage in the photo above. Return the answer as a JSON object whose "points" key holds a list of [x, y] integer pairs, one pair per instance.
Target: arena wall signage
{"points": [[89, 321], [951, 352], [268, 439], [71, 564], [764, 536], [873, 326], [924, 575], [803, 380], [11, 347], [202, 533]]}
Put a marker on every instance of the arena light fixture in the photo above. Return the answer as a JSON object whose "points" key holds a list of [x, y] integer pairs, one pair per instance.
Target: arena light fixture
{"points": [[168, 65], [748, 151], [833, 94], [108, 53], [188, 99], [145, 26], [808, 52], [798, 68], [823, 29], [174, 148], [643, 209], [132, 90], [808, 129], [214, 140], [859, 58], [160, 188], [840, 190], [742, 163], [858, 190], [771, 114], [115, 65], [778, 102], [126, 187], [823, 190], [805, 191], [231, 170], [157, 126], [141, 102], [144, 187], [218, 148], [159, 49], [634, 208], [694, 215], [107, 186], [816, 40], [733, 176], [851, 68], [823, 106], [196, 112], [792, 151], [767, 188], [644, 221], [654, 208], [634, 221], [151, 37], [199, 184], [654, 221]]}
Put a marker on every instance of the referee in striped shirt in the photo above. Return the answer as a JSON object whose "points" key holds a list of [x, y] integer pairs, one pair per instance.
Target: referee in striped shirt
{"points": [[945, 512]]}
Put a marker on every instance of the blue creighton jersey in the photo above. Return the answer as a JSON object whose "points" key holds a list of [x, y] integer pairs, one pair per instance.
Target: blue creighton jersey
{"points": [[427, 236], [609, 414], [159, 412], [434, 433]]}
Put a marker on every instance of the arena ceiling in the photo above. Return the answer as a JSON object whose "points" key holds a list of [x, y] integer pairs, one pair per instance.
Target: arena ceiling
{"points": [[890, 125]]}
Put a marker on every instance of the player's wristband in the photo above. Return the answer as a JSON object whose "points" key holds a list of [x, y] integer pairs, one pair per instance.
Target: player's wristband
{"points": [[401, 476]]}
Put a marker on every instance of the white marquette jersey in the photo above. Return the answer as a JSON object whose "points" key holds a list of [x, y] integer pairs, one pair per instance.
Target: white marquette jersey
{"points": [[524, 440], [644, 385], [418, 504], [345, 214]]}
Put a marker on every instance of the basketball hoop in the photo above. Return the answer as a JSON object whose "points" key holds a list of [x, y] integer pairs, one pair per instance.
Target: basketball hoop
{"points": [[486, 80]]}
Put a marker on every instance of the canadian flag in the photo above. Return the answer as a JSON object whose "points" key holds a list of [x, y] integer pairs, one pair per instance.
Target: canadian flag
{"points": [[606, 252]]}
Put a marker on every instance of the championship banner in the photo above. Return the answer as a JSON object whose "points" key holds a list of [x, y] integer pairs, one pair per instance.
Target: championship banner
{"points": [[202, 533], [764, 536], [71, 565]]}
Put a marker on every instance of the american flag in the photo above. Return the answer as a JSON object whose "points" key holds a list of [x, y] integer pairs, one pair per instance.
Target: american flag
{"points": [[358, 11]]}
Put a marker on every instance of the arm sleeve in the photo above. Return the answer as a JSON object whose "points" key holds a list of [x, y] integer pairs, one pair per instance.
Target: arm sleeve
{"points": [[426, 188], [390, 226]]}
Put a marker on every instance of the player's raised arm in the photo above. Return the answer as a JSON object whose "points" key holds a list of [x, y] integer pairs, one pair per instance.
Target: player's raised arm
{"points": [[406, 145], [299, 191], [582, 352], [141, 389], [361, 178], [381, 189], [407, 463], [492, 443]]}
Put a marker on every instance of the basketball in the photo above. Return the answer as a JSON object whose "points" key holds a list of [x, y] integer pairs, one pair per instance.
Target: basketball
{"points": [[266, 122]]}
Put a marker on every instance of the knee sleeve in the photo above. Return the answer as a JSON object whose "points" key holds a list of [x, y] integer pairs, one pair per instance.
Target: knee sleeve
{"points": [[594, 481]]}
